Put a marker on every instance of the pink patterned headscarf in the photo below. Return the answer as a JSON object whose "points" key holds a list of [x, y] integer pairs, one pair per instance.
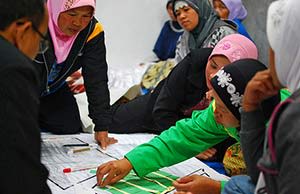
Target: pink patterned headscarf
{"points": [[235, 47], [61, 42]]}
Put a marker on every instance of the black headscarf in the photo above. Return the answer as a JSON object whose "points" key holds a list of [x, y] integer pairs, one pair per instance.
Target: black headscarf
{"points": [[230, 83]]}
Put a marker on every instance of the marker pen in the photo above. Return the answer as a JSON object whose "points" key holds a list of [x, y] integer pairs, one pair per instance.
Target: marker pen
{"points": [[79, 168], [76, 145], [80, 149]]}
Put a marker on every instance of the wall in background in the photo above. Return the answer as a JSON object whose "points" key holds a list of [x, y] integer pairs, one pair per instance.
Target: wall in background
{"points": [[256, 25], [131, 28]]}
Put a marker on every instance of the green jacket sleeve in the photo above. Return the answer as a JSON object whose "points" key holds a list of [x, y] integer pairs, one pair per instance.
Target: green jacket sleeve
{"points": [[185, 140]]}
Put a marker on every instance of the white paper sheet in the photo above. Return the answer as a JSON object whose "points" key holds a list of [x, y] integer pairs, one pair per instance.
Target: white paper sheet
{"points": [[56, 159]]}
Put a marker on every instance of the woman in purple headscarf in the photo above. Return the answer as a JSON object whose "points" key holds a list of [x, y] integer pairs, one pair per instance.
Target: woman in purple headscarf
{"points": [[232, 10]]}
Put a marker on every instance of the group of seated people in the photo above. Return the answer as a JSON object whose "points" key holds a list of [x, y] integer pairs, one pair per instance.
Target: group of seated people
{"points": [[218, 93]]}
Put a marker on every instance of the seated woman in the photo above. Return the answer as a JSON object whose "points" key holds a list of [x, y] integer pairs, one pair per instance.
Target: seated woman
{"points": [[275, 155], [232, 10], [166, 43], [189, 136], [203, 28], [185, 86], [163, 50]]}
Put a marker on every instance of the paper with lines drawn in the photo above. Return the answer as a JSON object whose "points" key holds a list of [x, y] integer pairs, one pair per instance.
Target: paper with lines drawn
{"points": [[55, 157]]}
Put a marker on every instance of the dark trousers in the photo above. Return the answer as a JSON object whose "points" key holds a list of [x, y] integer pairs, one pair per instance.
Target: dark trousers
{"points": [[59, 112], [133, 117]]}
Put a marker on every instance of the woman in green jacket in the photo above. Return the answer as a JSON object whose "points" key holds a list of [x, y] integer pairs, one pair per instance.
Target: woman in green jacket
{"points": [[190, 136]]}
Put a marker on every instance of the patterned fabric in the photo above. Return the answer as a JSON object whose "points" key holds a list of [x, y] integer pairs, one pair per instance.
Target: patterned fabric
{"points": [[224, 80], [235, 77], [217, 35], [234, 161], [235, 47], [210, 42], [155, 73]]}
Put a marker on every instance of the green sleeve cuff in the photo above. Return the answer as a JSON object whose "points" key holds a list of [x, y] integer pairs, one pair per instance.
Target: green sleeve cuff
{"points": [[223, 183]]}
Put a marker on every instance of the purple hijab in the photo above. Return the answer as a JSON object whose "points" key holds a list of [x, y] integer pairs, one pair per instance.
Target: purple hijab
{"points": [[236, 9]]}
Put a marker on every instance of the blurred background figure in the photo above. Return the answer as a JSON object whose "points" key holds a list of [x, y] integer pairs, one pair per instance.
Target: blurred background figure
{"points": [[232, 10], [165, 45], [202, 27]]}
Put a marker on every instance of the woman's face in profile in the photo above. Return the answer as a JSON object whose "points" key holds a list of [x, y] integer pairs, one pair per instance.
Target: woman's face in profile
{"points": [[213, 66], [222, 114], [187, 17], [170, 12]]}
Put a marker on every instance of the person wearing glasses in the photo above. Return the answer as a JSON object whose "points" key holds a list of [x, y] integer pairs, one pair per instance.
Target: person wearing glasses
{"points": [[23, 24], [76, 41]]}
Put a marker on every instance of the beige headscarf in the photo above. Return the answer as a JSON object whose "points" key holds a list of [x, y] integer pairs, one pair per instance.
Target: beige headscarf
{"points": [[283, 30]]}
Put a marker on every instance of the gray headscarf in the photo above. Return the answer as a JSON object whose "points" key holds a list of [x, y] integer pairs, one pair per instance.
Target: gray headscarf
{"points": [[207, 19], [284, 37]]}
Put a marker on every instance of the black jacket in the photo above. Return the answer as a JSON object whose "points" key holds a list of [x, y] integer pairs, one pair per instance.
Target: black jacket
{"points": [[182, 89], [20, 165], [155, 112], [90, 54]]}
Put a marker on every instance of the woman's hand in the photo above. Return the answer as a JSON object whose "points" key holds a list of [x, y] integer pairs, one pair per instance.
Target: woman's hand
{"points": [[113, 171], [197, 184], [103, 140], [258, 89], [75, 83]]}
